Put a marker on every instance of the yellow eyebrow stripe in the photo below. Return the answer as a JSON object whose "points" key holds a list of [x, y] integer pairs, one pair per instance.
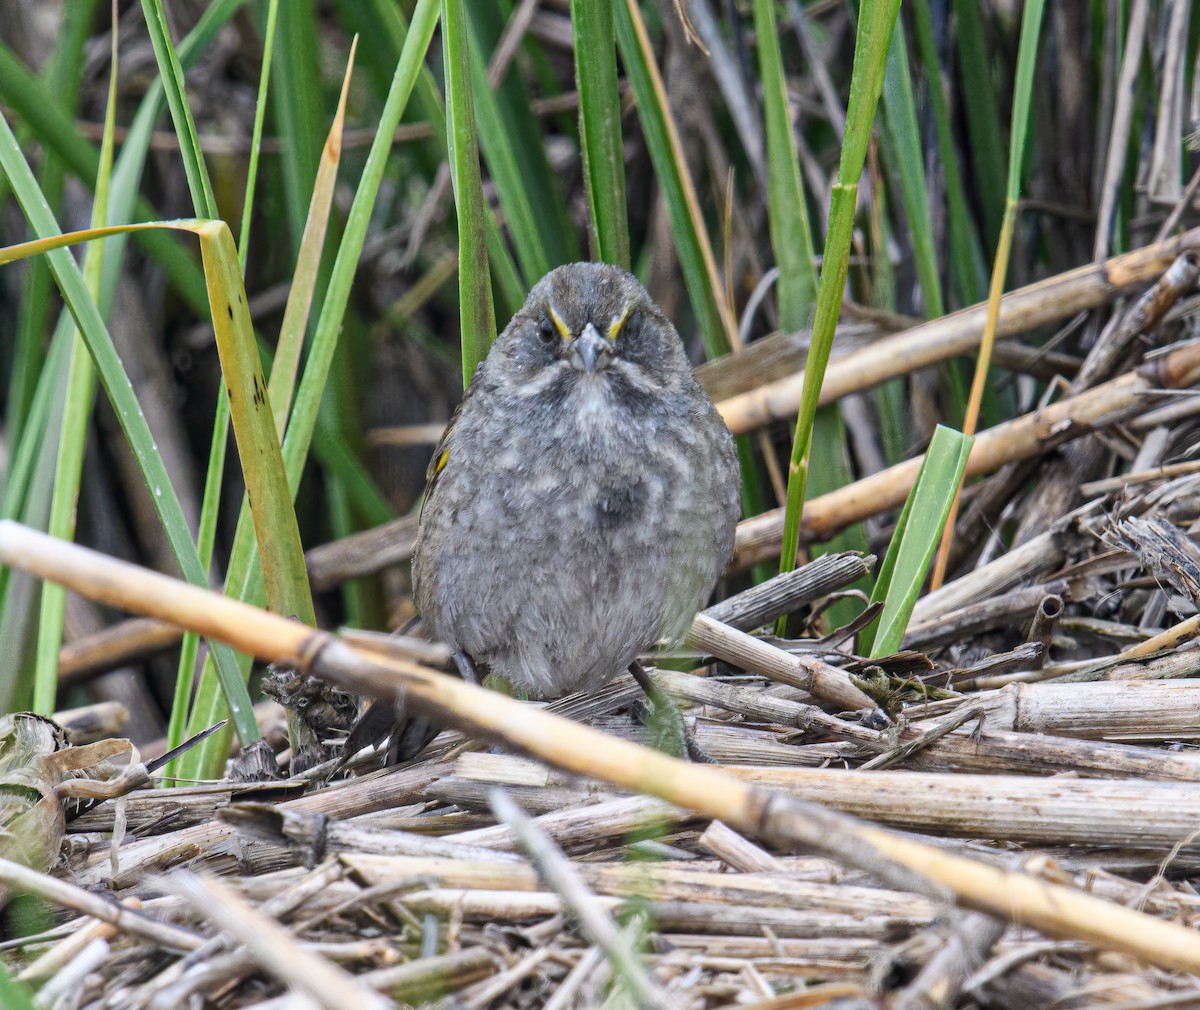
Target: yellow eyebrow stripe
{"points": [[615, 326], [563, 330]]}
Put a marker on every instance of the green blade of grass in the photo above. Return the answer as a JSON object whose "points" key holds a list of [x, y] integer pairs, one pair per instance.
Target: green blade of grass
{"points": [[918, 530], [791, 236], [524, 133], [498, 143], [260, 111], [208, 758], [284, 575], [276, 532], [600, 128], [831, 471], [120, 392], [171, 73], [352, 473], [982, 113], [171, 76], [381, 26], [27, 498], [125, 201], [27, 450], [61, 78], [13, 994], [876, 19], [77, 410], [900, 120], [477, 315], [298, 102], [902, 144], [718, 328], [380, 22], [506, 280], [308, 262], [967, 267], [24, 93], [210, 500]]}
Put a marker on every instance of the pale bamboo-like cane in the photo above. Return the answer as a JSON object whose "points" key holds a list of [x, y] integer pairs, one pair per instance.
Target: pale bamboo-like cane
{"points": [[959, 333], [1053, 909], [759, 537]]}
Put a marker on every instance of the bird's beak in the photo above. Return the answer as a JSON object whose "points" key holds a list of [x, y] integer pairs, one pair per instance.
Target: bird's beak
{"points": [[590, 352]]}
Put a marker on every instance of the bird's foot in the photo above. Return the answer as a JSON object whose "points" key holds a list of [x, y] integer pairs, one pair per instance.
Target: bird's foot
{"points": [[670, 731], [466, 669]]}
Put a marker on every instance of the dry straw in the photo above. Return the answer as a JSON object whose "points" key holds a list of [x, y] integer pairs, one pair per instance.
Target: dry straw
{"points": [[899, 861]]}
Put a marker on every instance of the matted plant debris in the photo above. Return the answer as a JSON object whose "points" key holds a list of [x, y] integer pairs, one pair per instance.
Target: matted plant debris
{"points": [[1001, 812]]}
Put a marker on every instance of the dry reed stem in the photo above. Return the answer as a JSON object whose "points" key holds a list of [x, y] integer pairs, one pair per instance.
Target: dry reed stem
{"points": [[959, 333], [740, 853], [775, 888], [759, 538], [65, 988], [1046, 810], [420, 979], [1113, 710], [21, 878], [174, 982], [1052, 909], [113, 646], [1043, 553], [971, 937], [50, 962], [1166, 471], [1170, 638], [812, 675]]}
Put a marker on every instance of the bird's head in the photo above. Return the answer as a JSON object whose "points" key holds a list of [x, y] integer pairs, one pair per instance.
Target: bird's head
{"points": [[592, 322]]}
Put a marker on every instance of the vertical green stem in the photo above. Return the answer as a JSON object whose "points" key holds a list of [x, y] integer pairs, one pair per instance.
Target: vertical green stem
{"points": [[477, 314], [876, 19], [600, 127]]}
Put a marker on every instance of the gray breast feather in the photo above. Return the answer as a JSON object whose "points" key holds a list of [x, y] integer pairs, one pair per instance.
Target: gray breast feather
{"points": [[555, 557]]}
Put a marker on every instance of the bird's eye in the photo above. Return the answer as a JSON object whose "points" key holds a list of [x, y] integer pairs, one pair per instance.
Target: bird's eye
{"points": [[547, 331], [633, 326]]}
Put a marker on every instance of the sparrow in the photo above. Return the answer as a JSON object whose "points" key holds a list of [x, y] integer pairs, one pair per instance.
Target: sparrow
{"points": [[582, 502]]}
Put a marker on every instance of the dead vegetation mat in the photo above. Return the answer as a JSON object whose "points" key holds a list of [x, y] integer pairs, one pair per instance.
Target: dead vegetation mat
{"points": [[1041, 720]]}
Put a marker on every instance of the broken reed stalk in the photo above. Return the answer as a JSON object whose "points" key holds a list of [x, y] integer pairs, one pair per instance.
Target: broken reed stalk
{"points": [[805, 672], [1042, 553], [1041, 810], [128, 919], [899, 861], [1112, 710], [758, 539], [959, 333]]}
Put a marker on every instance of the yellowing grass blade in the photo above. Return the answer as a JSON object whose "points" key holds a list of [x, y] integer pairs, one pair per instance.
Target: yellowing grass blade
{"points": [[278, 536], [304, 279], [133, 424]]}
